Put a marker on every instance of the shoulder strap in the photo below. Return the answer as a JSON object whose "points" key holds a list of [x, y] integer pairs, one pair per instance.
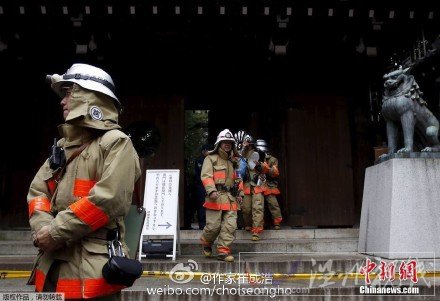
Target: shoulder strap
{"points": [[75, 154]]}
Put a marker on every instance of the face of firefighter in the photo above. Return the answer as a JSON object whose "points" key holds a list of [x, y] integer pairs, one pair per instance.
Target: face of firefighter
{"points": [[226, 146], [247, 145], [65, 102]]}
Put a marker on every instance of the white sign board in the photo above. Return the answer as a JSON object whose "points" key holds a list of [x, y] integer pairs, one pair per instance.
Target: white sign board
{"points": [[161, 204]]}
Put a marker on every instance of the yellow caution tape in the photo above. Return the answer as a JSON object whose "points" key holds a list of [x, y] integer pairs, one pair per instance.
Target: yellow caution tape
{"points": [[14, 274]]}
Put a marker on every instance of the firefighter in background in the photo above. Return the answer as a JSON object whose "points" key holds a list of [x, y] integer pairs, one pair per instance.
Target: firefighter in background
{"points": [[270, 168], [223, 196], [253, 202], [75, 205]]}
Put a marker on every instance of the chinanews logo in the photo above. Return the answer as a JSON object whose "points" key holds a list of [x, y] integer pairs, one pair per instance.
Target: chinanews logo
{"points": [[388, 290], [394, 278]]}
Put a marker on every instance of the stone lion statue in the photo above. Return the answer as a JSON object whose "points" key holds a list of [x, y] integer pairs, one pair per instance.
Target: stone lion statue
{"points": [[402, 103]]}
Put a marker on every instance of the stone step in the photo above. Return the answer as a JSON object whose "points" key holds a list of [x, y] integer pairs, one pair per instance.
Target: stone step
{"points": [[25, 235], [148, 289], [192, 246], [17, 247], [304, 251], [305, 263], [283, 263], [15, 235], [286, 234], [250, 262], [17, 242]]}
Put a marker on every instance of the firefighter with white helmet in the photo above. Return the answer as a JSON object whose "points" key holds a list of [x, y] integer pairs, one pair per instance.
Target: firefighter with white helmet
{"points": [[253, 202], [77, 205], [223, 196], [270, 169]]}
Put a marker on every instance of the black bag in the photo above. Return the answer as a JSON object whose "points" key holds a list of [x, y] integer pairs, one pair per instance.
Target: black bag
{"points": [[120, 269], [161, 246]]}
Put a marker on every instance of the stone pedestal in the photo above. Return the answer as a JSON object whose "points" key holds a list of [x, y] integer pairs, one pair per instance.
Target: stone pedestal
{"points": [[401, 209]]}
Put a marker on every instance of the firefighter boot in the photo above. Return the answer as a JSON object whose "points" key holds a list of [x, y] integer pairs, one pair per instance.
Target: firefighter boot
{"points": [[207, 251], [225, 257]]}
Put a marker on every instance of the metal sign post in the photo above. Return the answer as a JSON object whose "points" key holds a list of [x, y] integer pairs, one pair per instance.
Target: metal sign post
{"points": [[161, 204]]}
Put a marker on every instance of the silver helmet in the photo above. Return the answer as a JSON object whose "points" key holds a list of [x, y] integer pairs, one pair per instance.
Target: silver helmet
{"points": [[239, 139], [261, 145], [248, 138], [88, 77]]}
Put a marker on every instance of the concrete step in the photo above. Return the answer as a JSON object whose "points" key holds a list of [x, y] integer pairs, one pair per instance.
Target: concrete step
{"points": [[296, 233], [15, 235], [192, 246], [294, 240], [296, 251], [285, 233], [348, 291], [250, 262], [17, 247], [292, 263], [147, 289]]}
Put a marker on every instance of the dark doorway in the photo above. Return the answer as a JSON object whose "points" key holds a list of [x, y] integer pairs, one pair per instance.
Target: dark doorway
{"points": [[319, 166]]}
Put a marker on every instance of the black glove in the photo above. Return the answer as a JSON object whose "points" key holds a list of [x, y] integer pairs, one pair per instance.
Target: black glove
{"points": [[258, 167], [234, 191], [255, 179]]}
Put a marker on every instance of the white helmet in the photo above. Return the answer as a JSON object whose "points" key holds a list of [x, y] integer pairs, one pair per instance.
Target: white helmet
{"points": [[225, 135], [87, 76], [261, 145]]}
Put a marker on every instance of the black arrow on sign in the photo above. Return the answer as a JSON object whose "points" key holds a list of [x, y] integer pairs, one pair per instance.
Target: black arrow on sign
{"points": [[167, 225]]}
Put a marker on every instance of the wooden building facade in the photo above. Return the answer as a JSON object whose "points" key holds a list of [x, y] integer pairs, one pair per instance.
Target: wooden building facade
{"points": [[304, 75]]}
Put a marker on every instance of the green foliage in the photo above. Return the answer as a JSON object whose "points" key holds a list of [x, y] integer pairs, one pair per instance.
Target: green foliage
{"points": [[196, 135]]}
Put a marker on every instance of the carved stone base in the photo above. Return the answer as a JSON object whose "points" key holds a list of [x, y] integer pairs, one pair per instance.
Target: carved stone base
{"points": [[424, 155], [401, 209]]}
